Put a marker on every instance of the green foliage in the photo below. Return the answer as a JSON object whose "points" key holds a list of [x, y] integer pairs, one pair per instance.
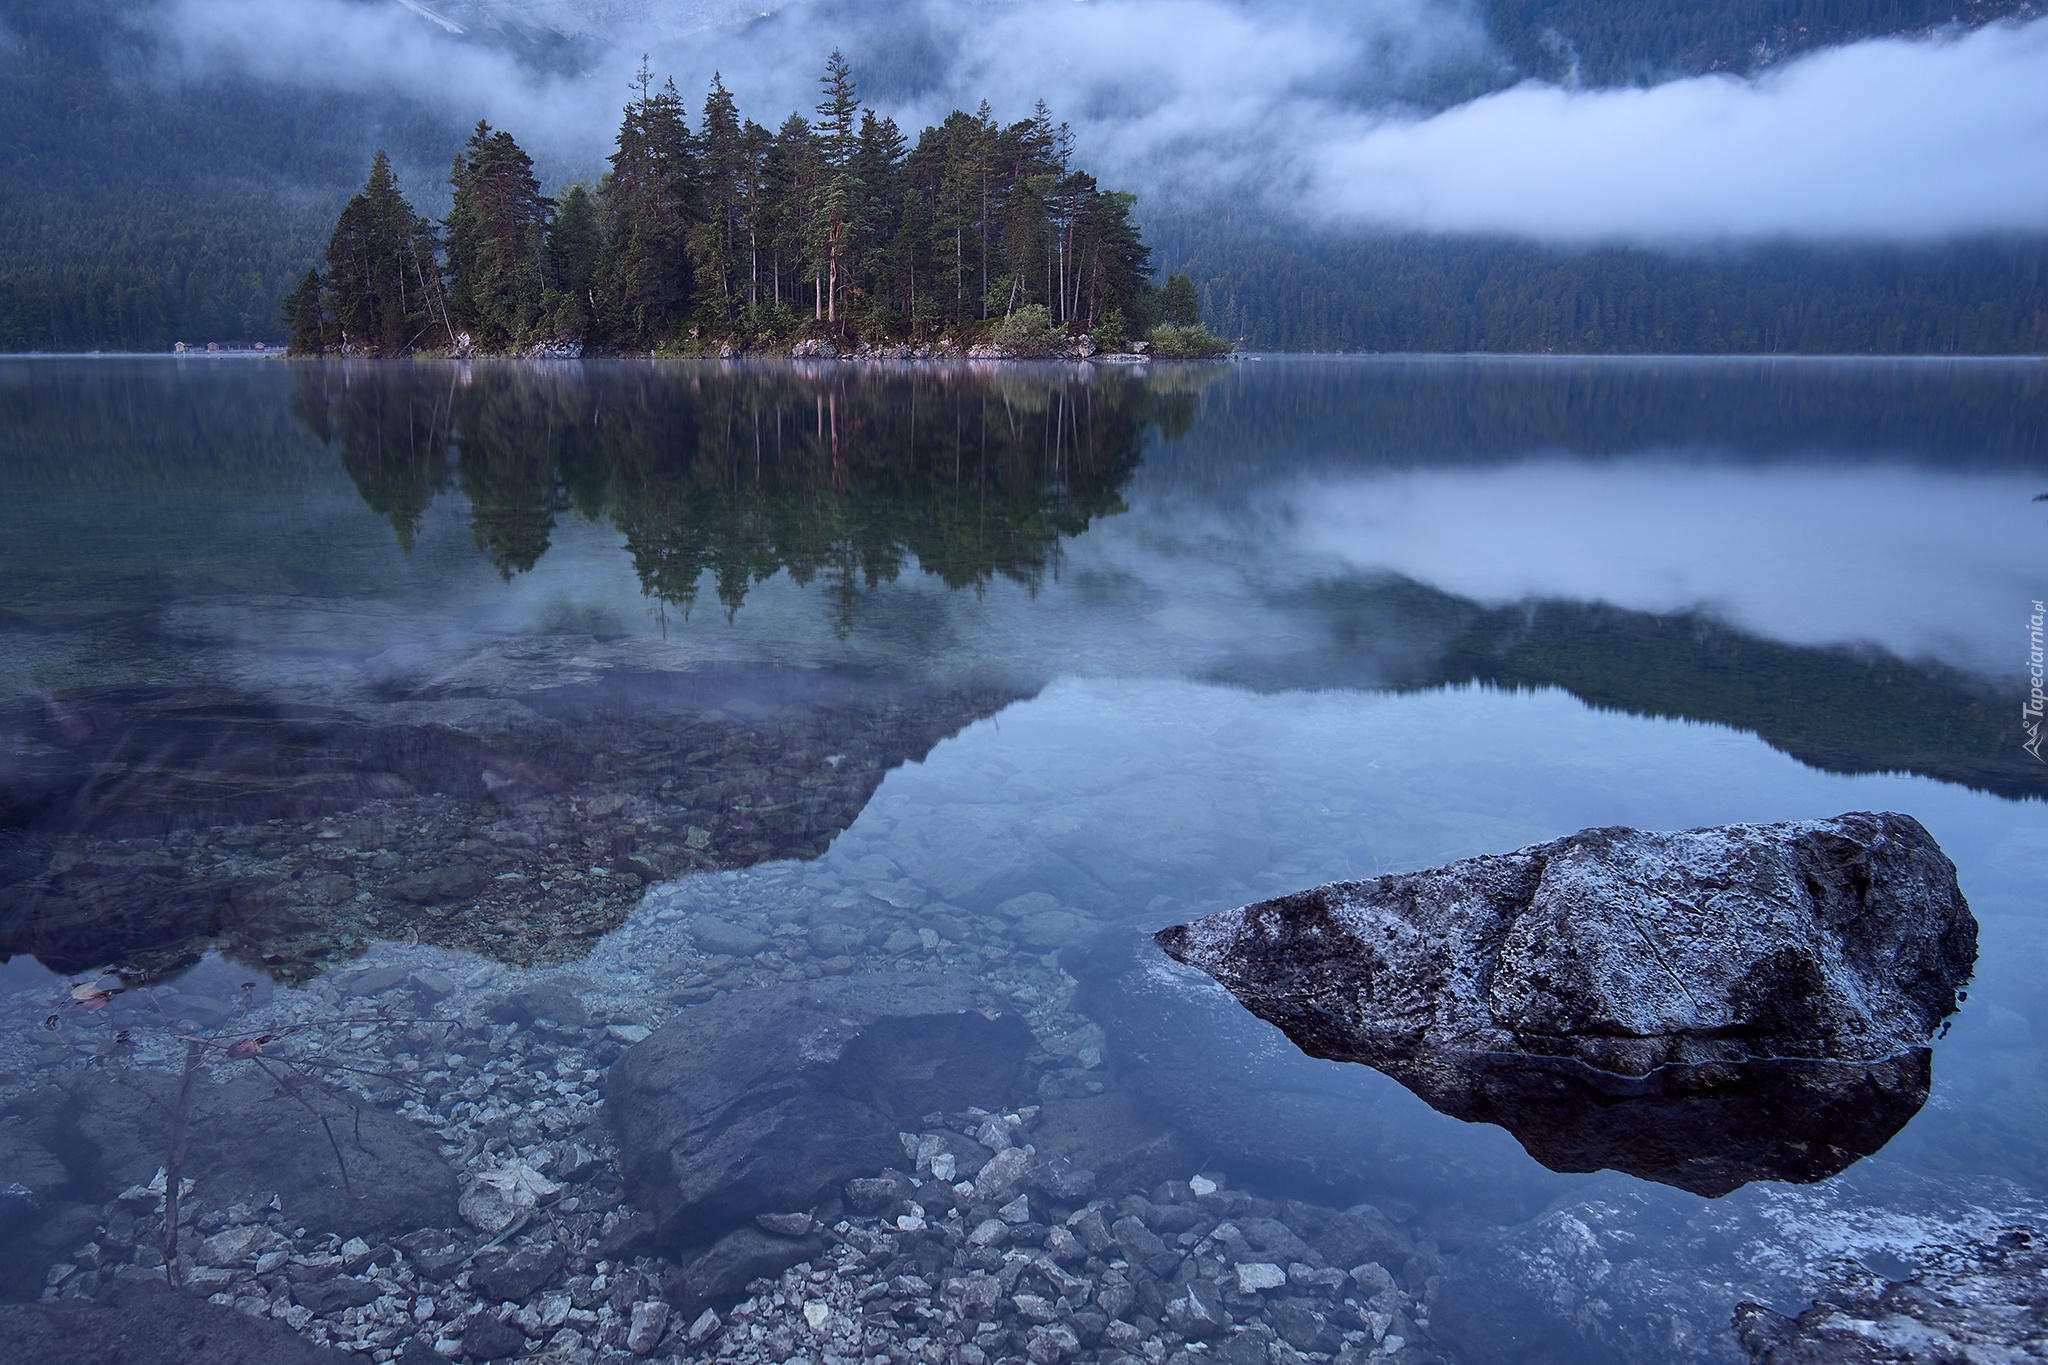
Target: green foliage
{"points": [[1282, 291], [307, 319], [1186, 343], [575, 248], [649, 206], [1113, 333], [498, 254], [134, 213], [383, 274], [1179, 304], [1030, 331]]}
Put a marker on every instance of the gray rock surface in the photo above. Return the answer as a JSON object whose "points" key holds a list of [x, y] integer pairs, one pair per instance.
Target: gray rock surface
{"points": [[720, 1272], [246, 1141], [1702, 1007], [768, 1101], [145, 1324], [1984, 1301]]}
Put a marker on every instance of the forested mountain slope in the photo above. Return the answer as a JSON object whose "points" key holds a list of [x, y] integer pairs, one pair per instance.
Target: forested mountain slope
{"points": [[135, 212]]}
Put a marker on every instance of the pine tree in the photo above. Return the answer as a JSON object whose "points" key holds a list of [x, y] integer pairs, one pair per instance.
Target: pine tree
{"points": [[716, 241], [1179, 304], [383, 274], [575, 246], [497, 243], [649, 204], [306, 318], [839, 203]]}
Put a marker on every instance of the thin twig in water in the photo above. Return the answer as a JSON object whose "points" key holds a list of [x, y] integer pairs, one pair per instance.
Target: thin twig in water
{"points": [[174, 1175], [291, 1087]]}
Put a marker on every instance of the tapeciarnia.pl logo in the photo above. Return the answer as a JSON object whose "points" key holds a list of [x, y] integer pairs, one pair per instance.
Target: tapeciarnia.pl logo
{"points": [[2030, 714]]}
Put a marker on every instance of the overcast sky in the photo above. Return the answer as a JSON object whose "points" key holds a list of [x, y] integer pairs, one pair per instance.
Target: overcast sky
{"points": [[1303, 105]]}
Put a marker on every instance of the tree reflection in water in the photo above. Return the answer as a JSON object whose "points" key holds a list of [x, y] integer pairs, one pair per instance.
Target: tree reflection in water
{"points": [[842, 475]]}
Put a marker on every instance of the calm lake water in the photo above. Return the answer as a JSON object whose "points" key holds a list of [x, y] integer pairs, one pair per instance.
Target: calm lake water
{"points": [[402, 743]]}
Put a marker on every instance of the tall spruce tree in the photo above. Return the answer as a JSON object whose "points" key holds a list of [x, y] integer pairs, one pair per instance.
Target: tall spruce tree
{"points": [[717, 239], [497, 243], [306, 317], [649, 200], [383, 274], [574, 244], [838, 209]]}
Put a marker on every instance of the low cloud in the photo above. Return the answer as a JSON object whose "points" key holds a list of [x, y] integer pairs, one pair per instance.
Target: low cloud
{"points": [[1895, 139], [1308, 109]]}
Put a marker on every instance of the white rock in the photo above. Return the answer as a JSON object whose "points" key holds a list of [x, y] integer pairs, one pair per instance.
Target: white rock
{"points": [[705, 1327], [1252, 1276], [1393, 1342], [817, 1314], [1002, 1173], [650, 1320], [500, 1195], [231, 1247], [628, 1033], [1201, 1185]]}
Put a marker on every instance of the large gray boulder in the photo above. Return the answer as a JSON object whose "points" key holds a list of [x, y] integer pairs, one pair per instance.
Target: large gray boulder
{"points": [[767, 1101], [1703, 1007]]}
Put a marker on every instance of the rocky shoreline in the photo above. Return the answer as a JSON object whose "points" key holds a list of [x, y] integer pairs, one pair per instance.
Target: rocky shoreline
{"points": [[423, 1163]]}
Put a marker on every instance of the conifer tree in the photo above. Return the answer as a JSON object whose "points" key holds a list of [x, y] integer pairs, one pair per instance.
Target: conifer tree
{"points": [[305, 316], [649, 205], [838, 207], [717, 239], [575, 245], [383, 274], [497, 243], [733, 232]]}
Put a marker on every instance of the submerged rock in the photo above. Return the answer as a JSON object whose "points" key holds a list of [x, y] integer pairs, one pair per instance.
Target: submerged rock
{"points": [[366, 1173], [768, 1101], [142, 1323], [1629, 1274], [1984, 1301], [1198, 1080], [1702, 1008]]}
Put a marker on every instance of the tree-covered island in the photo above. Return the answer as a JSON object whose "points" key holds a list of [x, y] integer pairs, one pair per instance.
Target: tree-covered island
{"points": [[821, 237]]}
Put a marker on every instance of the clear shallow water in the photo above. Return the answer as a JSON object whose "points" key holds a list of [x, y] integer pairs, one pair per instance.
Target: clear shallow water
{"points": [[491, 676]]}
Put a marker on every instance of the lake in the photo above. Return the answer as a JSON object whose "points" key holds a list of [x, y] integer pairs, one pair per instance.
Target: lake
{"points": [[477, 836]]}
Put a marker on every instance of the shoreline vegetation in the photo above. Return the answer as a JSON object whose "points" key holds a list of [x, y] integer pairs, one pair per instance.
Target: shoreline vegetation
{"points": [[826, 239]]}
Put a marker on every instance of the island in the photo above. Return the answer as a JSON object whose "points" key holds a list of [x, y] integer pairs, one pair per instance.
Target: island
{"points": [[819, 240]]}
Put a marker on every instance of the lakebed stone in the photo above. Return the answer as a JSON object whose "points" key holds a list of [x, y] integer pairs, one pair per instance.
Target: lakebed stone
{"points": [[245, 1141], [142, 1323], [1577, 1284], [1702, 1008], [768, 1101], [1987, 1300]]}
